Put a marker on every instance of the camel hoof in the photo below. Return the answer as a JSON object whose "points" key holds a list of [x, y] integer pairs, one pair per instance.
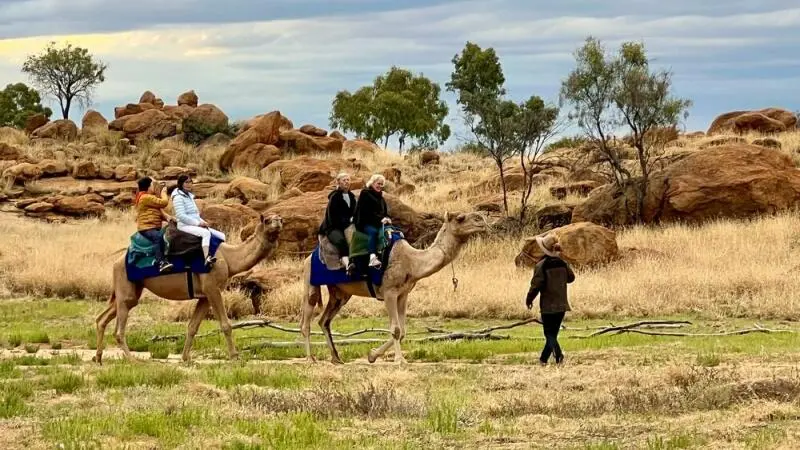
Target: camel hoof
{"points": [[311, 359], [337, 362], [371, 356], [97, 359], [234, 357]]}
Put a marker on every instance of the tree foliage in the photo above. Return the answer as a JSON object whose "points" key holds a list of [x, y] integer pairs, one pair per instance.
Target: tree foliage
{"points": [[612, 92], [398, 103], [69, 74], [17, 103], [504, 129]]}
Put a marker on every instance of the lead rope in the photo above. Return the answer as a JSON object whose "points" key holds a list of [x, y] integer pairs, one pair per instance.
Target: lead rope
{"points": [[455, 280]]}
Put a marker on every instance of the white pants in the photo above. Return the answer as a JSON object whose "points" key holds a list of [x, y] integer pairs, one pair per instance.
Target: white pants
{"points": [[202, 233]]}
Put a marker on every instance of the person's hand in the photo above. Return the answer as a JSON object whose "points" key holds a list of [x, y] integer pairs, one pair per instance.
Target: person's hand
{"points": [[203, 224], [386, 221], [529, 300]]}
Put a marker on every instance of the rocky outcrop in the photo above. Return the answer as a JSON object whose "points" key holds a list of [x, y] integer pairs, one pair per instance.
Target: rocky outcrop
{"points": [[583, 244], [580, 188], [35, 122], [429, 157], [265, 130], [188, 98], [9, 152], [299, 143], [152, 124], [205, 121], [256, 157], [63, 129], [770, 120], [732, 181], [311, 130], [93, 120]]}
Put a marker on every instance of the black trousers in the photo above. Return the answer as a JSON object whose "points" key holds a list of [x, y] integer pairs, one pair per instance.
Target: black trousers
{"points": [[551, 323], [154, 235], [339, 241]]}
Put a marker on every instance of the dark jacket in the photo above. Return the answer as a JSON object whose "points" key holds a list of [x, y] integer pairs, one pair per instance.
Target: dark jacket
{"points": [[550, 279], [338, 215], [371, 209]]}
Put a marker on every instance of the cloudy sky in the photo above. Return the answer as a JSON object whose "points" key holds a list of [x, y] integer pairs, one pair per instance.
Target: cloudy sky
{"points": [[254, 56]]}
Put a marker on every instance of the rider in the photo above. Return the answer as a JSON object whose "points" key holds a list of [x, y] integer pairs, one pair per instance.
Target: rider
{"points": [[188, 216], [372, 212], [338, 216], [149, 216]]}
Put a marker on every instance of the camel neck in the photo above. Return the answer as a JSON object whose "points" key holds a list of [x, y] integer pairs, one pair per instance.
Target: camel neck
{"points": [[443, 251], [244, 256]]}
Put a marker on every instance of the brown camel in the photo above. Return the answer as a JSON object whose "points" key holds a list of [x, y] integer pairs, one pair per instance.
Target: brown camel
{"points": [[231, 260], [406, 266]]}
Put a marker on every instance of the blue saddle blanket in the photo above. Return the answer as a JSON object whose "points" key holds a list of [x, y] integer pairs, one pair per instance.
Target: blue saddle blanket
{"points": [[140, 259], [322, 276]]}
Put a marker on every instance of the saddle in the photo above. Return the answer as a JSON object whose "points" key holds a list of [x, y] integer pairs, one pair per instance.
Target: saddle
{"points": [[357, 241], [179, 243]]}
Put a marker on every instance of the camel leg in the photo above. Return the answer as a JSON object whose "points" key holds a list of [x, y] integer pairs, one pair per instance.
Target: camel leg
{"points": [[194, 323], [401, 321], [102, 322], [335, 303], [311, 298], [215, 298], [391, 307], [123, 308]]}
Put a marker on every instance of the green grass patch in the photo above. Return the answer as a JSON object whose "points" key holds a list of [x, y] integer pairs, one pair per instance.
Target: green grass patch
{"points": [[12, 398], [138, 374], [266, 376], [9, 370], [65, 382], [290, 431]]}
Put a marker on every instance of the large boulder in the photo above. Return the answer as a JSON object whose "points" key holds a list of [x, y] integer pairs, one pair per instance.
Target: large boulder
{"points": [[84, 206], [300, 143], [579, 188], [256, 157], [85, 170], [358, 146], [93, 119], [769, 120], [148, 97], [311, 130], [554, 216], [21, 173], [429, 157], [732, 181], [125, 172], [247, 189], [166, 157], [9, 152], [204, 121], [132, 109], [177, 112], [265, 129], [583, 244], [34, 122], [152, 124], [64, 129], [305, 173], [188, 98], [53, 168], [227, 218]]}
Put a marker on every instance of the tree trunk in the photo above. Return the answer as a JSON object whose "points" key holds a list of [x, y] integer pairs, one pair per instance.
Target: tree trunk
{"points": [[386, 141], [503, 185], [65, 105], [402, 140]]}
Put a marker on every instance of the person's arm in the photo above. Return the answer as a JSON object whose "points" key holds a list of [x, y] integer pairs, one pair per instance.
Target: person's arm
{"points": [[180, 211], [570, 273], [537, 283]]}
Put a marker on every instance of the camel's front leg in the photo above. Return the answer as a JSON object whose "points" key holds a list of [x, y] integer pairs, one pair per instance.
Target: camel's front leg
{"points": [[391, 307], [214, 297], [311, 297], [200, 310], [401, 321]]}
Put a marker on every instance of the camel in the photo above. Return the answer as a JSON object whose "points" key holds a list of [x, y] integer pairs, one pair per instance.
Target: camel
{"points": [[406, 266], [231, 260]]}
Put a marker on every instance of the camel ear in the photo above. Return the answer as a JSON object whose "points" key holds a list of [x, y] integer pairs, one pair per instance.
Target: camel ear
{"points": [[263, 218], [461, 217], [447, 216]]}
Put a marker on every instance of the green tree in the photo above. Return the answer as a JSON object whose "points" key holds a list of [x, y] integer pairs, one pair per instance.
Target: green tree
{"points": [[613, 92], [68, 74], [502, 128], [398, 103], [17, 103]]}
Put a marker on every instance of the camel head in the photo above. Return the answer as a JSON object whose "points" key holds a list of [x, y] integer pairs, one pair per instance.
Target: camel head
{"points": [[464, 225], [270, 226]]}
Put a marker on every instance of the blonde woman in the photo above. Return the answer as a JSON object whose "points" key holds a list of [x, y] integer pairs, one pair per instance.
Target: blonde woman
{"points": [[371, 213], [338, 216]]}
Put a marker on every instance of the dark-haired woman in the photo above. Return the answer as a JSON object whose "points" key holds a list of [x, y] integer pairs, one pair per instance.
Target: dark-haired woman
{"points": [[188, 216]]}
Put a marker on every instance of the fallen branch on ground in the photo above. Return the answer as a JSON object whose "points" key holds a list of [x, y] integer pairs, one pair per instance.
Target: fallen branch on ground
{"points": [[263, 323], [631, 326], [439, 338]]}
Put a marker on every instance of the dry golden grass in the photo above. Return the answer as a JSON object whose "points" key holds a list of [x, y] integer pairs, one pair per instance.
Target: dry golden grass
{"points": [[725, 269]]}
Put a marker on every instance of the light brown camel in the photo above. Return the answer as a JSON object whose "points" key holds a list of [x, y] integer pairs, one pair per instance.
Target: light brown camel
{"points": [[231, 260], [406, 266]]}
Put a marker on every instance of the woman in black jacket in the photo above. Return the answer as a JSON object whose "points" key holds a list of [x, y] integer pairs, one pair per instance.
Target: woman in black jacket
{"points": [[371, 213], [339, 216]]}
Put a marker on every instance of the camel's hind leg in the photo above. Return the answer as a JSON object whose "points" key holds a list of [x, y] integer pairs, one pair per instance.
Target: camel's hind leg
{"points": [[311, 298], [215, 299], [335, 303], [194, 323]]}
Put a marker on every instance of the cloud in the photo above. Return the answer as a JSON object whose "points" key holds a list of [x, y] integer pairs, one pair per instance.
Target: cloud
{"points": [[250, 57]]}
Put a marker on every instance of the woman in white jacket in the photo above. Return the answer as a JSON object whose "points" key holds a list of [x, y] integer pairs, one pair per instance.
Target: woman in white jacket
{"points": [[188, 216]]}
